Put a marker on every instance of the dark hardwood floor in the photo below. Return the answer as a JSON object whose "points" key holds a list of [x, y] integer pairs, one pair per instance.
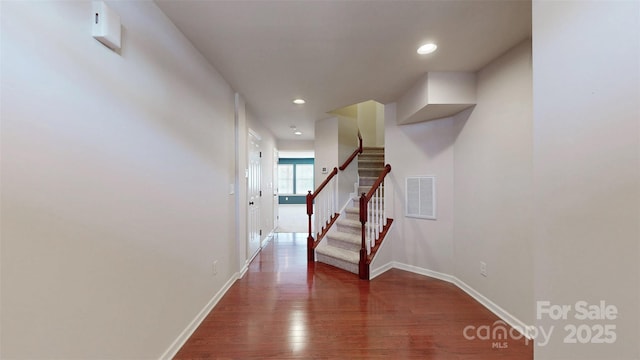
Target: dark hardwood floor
{"points": [[283, 309]]}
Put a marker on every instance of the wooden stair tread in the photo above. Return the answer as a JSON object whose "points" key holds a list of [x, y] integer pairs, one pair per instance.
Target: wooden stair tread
{"points": [[349, 223], [353, 209]]}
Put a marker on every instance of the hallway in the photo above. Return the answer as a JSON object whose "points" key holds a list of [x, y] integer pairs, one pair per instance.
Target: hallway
{"points": [[283, 309], [292, 218]]}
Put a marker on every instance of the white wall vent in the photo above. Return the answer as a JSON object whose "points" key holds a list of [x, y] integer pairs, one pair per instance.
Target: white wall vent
{"points": [[421, 197]]}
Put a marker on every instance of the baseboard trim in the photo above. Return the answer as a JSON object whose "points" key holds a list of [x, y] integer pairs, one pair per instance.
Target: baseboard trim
{"points": [[253, 256], [380, 270], [267, 239], [425, 272], [245, 268], [504, 315], [193, 325]]}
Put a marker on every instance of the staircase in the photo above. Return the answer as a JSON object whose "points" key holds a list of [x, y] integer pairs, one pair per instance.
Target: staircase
{"points": [[343, 242]]}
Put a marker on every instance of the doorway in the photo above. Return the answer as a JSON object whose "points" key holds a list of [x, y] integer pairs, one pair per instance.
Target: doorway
{"points": [[295, 180], [275, 189], [254, 194]]}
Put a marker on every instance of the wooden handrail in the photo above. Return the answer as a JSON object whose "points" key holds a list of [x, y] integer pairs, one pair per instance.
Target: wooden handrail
{"points": [[333, 173], [379, 180], [355, 153]]}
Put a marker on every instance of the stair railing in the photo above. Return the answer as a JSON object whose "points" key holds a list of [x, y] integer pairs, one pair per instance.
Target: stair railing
{"points": [[326, 205], [374, 222]]}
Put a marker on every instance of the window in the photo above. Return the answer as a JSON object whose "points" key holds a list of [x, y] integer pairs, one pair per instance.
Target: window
{"points": [[295, 176], [304, 179], [285, 178]]}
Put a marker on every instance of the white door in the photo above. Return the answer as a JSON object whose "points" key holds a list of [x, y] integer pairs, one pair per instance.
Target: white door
{"points": [[276, 199], [254, 194]]}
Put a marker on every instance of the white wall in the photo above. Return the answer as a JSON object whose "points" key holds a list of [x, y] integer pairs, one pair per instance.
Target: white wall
{"points": [[379, 124], [586, 61], [413, 99], [115, 183], [451, 88], [347, 144], [325, 147], [492, 186], [370, 117], [335, 140], [482, 162], [420, 149], [367, 122], [241, 182], [347, 111], [295, 145]]}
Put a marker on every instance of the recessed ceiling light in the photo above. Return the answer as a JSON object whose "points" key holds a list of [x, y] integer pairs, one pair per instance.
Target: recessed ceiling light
{"points": [[427, 48], [297, 132], [299, 101]]}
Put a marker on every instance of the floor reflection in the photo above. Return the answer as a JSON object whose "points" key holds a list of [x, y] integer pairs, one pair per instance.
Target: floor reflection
{"points": [[283, 308]]}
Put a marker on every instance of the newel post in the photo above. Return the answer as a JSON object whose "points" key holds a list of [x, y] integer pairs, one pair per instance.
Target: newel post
{"points": [[310, 241]]}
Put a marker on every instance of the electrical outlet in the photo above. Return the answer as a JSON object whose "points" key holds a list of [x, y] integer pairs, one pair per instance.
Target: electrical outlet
{"points": [[215, 267], [483, 268]]}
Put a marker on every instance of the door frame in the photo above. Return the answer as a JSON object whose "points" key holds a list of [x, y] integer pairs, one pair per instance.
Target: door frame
{"points": [[276, 216], [251, 253]]}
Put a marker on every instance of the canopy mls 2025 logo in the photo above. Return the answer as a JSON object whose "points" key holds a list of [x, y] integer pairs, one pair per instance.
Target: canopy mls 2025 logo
{"points": [[583, 323]]}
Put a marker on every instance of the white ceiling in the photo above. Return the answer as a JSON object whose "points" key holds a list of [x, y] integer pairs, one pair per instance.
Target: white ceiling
{"points": [[338, 53]]}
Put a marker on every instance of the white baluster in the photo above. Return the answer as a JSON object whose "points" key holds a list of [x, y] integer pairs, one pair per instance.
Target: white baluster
{"points": [[323, 213], [318, 205], [332, 198], [380, 220], [329, 202], [372, 220], [382, 206], [375, 223], [326, 209]]}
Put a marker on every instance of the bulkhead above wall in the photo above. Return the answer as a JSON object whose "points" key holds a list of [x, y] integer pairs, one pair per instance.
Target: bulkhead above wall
{"points": [[437, 95]]}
